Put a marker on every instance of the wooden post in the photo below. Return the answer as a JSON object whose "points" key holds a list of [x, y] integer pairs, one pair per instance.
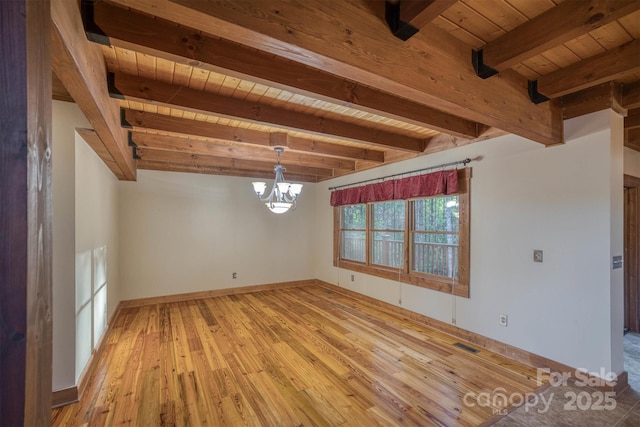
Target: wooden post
{"points": [[25, 213]]}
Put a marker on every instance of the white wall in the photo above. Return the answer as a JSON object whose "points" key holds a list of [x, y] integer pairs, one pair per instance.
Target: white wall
{"points": [[183, 232], [84, 218], [96, 249], [65, 117], [631, 162], [564, 200]]}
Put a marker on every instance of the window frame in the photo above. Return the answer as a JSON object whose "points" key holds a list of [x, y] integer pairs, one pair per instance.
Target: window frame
{"points": [[405, 274]]}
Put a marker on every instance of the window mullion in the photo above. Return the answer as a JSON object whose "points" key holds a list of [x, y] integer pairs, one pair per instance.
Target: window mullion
{"points": [[408, 221], [369, 232], [337, 237]]}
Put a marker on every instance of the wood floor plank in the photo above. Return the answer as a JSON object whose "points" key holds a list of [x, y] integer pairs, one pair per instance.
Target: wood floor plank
{"points": [[300, 356], [252, 395]]}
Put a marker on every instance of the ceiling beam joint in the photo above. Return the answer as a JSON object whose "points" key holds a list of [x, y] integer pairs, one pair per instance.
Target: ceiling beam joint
{"points": [[482, 70], [535, 96], [399, 28], [406, 17], [93, 32]]}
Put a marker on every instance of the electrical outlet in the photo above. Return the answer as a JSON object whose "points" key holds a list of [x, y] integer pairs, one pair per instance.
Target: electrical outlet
{"points": [[353, 278], [235, 275], [537, 255], [503, 319]]}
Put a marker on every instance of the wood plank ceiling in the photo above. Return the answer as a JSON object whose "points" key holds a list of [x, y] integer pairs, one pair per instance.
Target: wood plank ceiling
{"points": [[214, 86]]}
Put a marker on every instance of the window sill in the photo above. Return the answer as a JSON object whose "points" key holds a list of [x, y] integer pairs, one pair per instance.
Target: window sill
{"points": [[428, 282]]}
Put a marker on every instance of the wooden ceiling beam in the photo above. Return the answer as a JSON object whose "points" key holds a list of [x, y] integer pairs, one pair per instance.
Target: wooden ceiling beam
{"points": [[93, 140], [235, 151], [58, 91], [335, 150], [406, 17], [631, 95], [134, 119], [432, 68], [447, 142], [213, 170], [138, 89], [225, 162], [158, 37], [607, 66], [80, 66], [552, 28], [160, 122], [597, 98]]}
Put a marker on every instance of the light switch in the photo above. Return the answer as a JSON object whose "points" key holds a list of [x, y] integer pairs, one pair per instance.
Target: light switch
{"points": [[616, 262]]}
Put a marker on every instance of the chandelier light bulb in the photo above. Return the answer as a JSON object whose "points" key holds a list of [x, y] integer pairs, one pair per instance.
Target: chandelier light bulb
{"points": [[283, 187], [295, 188], [259, 188]]}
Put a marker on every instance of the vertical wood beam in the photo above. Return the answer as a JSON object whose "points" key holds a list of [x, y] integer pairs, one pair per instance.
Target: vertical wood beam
{"points": [[25, 217], [632, 253]]}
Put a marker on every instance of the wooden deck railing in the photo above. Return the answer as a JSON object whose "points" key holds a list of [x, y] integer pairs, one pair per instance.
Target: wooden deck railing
{"points": [[437, 259]]}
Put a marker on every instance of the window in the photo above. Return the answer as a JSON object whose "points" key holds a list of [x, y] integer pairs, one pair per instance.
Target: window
{"points": [[387, 233], [353, 233], [423, 241], [435, 237]]}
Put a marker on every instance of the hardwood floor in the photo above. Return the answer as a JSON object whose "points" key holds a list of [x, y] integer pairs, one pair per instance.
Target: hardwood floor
{"points": [[290, 357]]}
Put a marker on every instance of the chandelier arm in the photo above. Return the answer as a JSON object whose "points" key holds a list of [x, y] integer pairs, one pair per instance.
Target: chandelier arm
{"points": [[269, 196], [288, 197]]}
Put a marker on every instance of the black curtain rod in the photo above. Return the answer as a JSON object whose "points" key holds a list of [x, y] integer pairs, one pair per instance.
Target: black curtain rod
{"points": [[444, 165]]}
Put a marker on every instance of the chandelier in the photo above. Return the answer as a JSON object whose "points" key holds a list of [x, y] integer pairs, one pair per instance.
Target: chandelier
{"points": [[283, 195]]}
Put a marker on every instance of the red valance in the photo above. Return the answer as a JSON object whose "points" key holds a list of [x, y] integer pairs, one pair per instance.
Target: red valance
{"points": [[432, 184]]}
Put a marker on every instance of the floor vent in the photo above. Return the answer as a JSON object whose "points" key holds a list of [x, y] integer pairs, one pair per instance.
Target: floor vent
{"points": [[466, 347]]}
